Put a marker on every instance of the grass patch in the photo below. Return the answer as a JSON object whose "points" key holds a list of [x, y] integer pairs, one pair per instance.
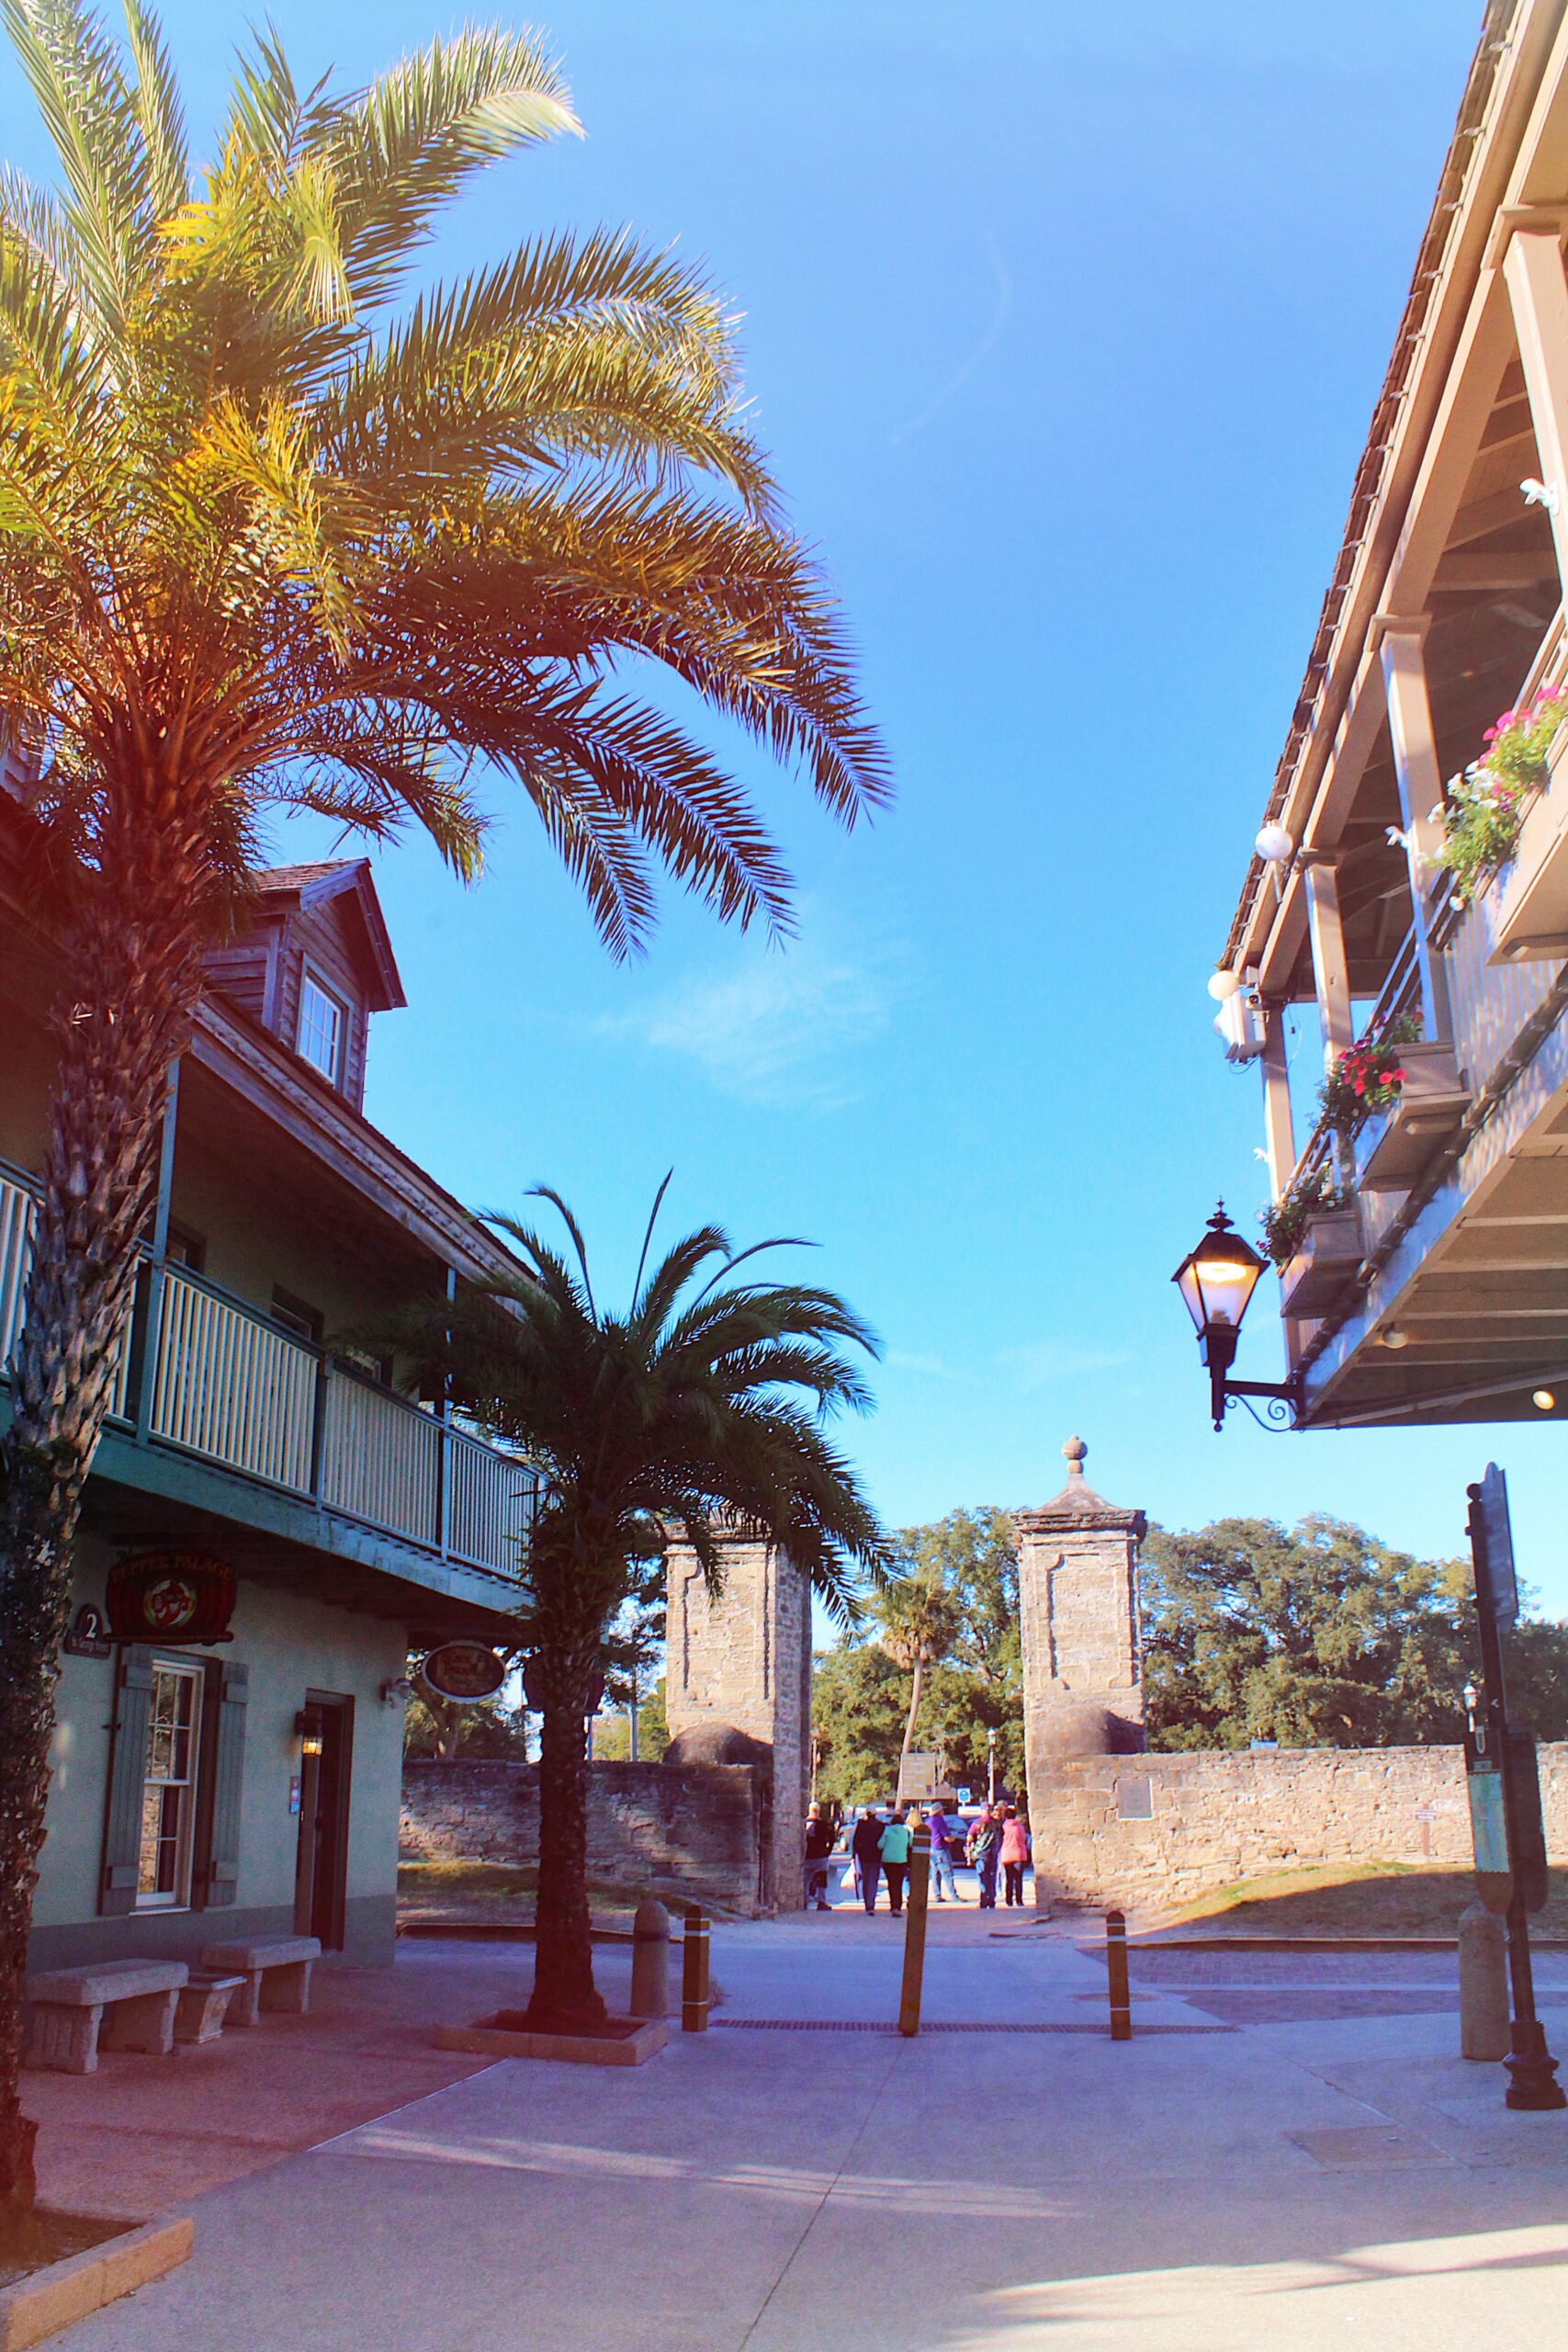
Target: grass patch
{"points": [[1360, 1899], [498, 1891]]}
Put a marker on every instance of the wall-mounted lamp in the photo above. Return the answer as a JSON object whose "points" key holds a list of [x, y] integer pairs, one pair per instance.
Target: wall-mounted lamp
{"points": [[1216, 1279], [398, 1694], [309, 1730], [1543, 1399]]}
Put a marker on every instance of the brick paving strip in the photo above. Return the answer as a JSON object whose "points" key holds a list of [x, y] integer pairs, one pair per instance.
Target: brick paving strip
{"points": [[870, 2025]]}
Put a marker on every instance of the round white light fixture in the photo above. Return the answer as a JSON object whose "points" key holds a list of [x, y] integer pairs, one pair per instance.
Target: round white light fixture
{"points": [[1224, 984], [1395, 1338], [1543, 1400], [1274, 845]]}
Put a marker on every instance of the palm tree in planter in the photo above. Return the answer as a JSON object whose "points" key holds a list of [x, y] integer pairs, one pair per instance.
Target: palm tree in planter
{"points": [[699, 1408], [920, 1621], [265, 543]]}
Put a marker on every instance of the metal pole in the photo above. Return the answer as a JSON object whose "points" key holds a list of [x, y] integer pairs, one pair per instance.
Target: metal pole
{"points": [[1116, 1976], [915, 1932], [1532, 2069], [991, 1765]]}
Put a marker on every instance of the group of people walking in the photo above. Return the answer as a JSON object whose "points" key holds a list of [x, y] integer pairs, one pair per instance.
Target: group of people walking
{"points": [[997, 1842]]}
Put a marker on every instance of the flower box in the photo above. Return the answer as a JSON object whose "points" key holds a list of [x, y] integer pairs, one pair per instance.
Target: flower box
{"points": [[1530, 893], [1394, 1149], [1321, 1271]]}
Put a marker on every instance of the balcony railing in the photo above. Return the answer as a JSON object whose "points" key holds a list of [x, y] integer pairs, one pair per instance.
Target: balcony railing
{"points": [[219, 1381]]}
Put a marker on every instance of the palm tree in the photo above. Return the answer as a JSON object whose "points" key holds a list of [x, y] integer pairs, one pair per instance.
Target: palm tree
{"points": [[920, 1621], [264, 545], [684, 1413]]}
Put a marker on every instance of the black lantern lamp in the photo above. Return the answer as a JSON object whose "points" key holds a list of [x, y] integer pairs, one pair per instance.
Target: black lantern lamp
{"points": [[1217, 1279]]}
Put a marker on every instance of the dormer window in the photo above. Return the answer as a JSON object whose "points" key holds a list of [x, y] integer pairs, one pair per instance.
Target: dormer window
{"points": [[323, 1019]]}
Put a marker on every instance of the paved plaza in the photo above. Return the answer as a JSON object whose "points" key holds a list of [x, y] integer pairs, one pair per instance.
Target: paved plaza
{"points": [[1301, 2176]]}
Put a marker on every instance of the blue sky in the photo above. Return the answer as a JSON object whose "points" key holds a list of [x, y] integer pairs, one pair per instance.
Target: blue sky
{"points": [[1065, 335]]}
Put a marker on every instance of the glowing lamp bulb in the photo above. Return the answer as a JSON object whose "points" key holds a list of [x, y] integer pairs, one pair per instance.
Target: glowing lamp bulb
{"points": [[1543, 1400], [1395, 1338], [1224, 984]]}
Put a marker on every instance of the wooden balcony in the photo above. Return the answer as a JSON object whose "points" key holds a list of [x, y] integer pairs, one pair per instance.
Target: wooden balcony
{"points": [[202, 1374], [1462, 1198]]}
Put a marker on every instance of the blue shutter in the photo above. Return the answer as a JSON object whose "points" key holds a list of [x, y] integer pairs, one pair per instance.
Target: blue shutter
{"points": [[222, 1872], [128, 1774]]}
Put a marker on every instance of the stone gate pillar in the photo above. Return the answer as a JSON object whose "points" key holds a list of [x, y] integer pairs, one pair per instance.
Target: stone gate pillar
{"points": [[1078, 1577], [742, 1664]]}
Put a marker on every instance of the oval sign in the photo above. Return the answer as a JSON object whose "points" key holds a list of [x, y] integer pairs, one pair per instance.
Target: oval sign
{"points": [[462, 1672]]}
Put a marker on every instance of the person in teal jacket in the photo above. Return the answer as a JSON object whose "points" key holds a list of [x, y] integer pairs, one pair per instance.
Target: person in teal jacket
{"points": [[895, 1859]]}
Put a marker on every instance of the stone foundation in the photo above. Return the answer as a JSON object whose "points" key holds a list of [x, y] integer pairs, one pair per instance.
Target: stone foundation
{"points": [[689, 1833], [1155, 1830]]}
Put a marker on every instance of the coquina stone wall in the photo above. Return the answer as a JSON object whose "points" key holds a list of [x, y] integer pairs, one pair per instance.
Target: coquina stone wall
{"points": [[1152, 1830], [687, 1834], [742, 1661]]}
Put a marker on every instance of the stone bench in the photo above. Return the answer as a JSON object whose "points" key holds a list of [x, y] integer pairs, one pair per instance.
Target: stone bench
{"points": [[277, 1973], [110, 2003], [203, 2004]]}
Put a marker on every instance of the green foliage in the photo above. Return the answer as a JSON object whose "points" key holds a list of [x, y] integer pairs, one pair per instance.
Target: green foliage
{"points": [[612, 1732], [1318, 1636], [1285, 1221], [1483, 809], [858, 1700], [959, 1589], [263, 544], [489, 1729], [1367, 1078]]}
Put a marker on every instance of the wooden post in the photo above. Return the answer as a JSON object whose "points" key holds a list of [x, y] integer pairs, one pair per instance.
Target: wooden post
{"points": [[1331, 974], [694, 1972], [1116, 1976], [1400, 651], [915, 1932], [1279, 1132], [1533, 270], [1330, 970]]}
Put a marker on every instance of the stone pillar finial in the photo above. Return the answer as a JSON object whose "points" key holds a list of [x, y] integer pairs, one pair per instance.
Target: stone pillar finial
{"points": [[1074, 1453]]}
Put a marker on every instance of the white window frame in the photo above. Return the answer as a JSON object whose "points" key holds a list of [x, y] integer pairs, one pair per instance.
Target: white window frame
{"points": [[193, 1674], [310, 979]]}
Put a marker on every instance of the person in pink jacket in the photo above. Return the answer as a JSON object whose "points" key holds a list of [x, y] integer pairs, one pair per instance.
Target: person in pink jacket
{"points": [[1015, 1854]]}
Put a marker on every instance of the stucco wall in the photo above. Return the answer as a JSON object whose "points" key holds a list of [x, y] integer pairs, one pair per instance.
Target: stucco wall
{"points": [[678, 1831], [1216, 1816], [291, 1645]]}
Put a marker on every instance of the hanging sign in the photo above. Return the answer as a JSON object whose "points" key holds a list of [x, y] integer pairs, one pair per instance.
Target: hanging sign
{"points": [[170, 1597], [463, 1672]]}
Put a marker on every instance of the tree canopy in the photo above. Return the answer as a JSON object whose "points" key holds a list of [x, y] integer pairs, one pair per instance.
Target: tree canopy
{"points": [[962, 1570], [1320, 1636]]}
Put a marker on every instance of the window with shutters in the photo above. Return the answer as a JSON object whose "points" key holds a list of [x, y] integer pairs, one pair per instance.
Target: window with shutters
{"points": [[169, 1786]]}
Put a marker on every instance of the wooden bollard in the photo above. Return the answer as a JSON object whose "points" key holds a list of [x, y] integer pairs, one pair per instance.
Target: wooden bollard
{"points": [[694, 1972], [1116, 1976], [915, 1932]]}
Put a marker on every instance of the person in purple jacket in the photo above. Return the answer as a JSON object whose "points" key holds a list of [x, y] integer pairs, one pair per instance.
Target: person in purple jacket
{"points": [[942, 1854]]}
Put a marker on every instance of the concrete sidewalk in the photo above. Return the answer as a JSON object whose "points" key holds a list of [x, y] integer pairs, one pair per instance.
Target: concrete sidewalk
{"points": [[1334, 2181]]}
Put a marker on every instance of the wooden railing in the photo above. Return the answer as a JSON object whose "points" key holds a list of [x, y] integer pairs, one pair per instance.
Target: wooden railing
{"points": [[218, 1380]]}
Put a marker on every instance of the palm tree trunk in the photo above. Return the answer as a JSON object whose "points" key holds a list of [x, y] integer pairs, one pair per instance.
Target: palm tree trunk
{"points": [[136, 981], [918, 1673], [565, 1999]]}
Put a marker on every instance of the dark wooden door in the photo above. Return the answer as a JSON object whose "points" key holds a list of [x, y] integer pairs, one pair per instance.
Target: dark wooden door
{"points": [[321, 1878]]}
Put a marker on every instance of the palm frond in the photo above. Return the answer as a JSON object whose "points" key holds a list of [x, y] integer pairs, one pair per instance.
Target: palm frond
{"points": [[403, 147], [159, 112]]}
